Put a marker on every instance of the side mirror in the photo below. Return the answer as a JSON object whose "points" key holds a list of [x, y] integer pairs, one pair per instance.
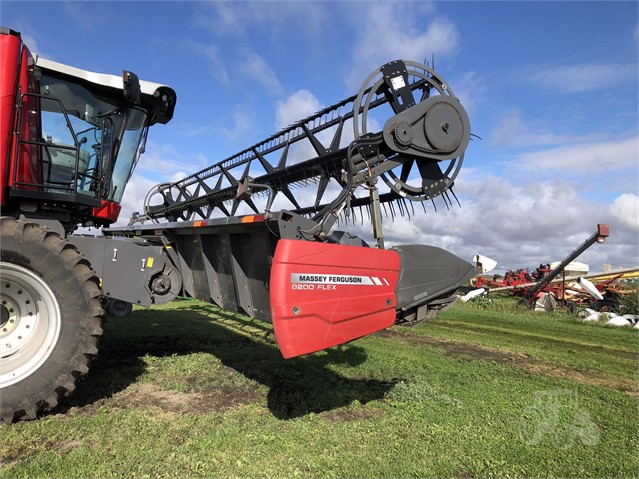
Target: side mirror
{"points": [[131, 85]]}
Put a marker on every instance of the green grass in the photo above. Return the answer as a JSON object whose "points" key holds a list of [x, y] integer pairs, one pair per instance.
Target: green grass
{"points": [[564, 340], [190, 390]]}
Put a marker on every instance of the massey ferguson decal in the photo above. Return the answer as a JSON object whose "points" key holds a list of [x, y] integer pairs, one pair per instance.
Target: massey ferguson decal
{"points": [[310, 280]]}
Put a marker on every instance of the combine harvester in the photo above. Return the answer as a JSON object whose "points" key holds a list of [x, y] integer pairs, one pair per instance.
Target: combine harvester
{"points": [[71, 139]]}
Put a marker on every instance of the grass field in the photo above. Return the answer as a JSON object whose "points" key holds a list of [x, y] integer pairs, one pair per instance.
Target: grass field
{"points": [[191, 390]]}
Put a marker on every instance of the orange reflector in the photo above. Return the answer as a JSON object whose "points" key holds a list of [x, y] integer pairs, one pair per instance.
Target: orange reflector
{"points": [[200, 223], [252, 218]]}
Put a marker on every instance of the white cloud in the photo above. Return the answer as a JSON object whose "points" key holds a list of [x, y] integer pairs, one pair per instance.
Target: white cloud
{"points": [[243, 123], [625, 209], [162, 163], [258, 69], [213, 57], [190, 130], [296, 107], [133, 199], [82, 19], [519, 225], [598, 159], [470, 90], [591, 158], [220, 17], [240, 18], [156, 166], [177, 176], [30, 36], [513, 130], [580, 78], [32, 44], [390, 30]]}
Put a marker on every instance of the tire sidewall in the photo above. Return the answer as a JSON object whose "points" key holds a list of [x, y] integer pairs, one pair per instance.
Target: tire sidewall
{"points": [[74, 305]]}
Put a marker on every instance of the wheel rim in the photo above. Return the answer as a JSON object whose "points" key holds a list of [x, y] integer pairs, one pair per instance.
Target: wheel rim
{"points": [[30, 323], [119, 307]]}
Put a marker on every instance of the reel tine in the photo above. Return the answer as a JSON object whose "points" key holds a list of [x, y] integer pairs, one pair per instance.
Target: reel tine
{"points": [[448, 198], [399, 206], [406, 207], [402, 202], [423, 206], [457, 199], [445, 202]]}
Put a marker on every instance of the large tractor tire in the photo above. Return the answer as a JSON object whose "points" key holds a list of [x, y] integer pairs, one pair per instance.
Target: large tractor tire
{"points": [[51, 318]]}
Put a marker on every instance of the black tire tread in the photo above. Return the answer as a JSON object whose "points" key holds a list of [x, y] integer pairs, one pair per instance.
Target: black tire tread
{"points": [[78, 266]]}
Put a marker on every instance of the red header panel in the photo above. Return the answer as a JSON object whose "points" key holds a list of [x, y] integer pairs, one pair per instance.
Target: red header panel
{"points": [[324, 294]]}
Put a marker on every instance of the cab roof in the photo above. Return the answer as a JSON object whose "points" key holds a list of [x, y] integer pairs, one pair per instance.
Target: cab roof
{"points": [[158, 99]]}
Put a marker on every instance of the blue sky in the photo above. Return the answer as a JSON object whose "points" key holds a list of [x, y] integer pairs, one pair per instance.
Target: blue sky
{"points": [[550, 87]]}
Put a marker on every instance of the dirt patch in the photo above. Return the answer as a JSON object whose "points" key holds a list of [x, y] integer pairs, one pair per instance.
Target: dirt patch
{"points": [[347, 415], [466, 350], [11, 457], [177, 402], [220, 400], [142, 395], [459, 348]]}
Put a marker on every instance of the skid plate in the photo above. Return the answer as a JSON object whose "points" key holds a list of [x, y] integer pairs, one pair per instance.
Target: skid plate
{"points": [[324, 294]]}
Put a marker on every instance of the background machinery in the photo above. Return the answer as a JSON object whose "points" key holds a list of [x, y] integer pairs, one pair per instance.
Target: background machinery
{"points": [[532, 287], [69, 142]]}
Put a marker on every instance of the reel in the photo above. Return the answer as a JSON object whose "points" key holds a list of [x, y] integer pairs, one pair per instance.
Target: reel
{"points": [[423, 123], [430, 128]]}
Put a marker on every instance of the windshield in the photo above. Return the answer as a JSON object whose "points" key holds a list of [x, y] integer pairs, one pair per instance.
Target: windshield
{"points": [[128, 153], [94, 146]]}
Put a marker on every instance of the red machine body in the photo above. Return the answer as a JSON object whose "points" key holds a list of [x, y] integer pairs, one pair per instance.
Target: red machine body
{"points": [[69, 138], [327, 294], [21, 165]]}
